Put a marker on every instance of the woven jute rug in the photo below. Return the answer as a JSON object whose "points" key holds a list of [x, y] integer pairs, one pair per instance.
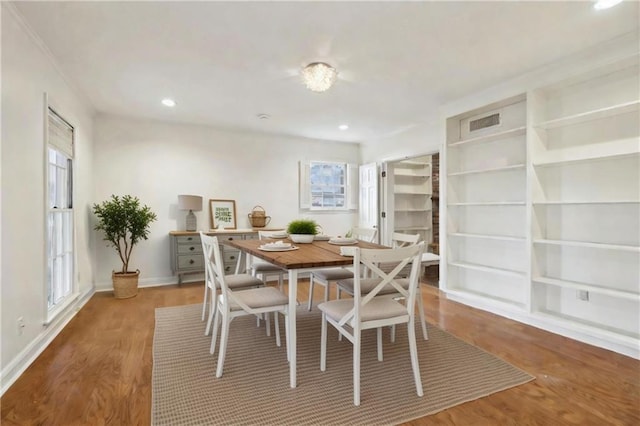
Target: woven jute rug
{"points": [[254, 389]]}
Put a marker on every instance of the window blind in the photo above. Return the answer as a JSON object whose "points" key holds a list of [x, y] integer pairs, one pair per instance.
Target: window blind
{"points": [[60, 133]]}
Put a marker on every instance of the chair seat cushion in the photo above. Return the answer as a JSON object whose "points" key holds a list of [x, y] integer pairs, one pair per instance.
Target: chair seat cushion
{"points": [[376, 309], [366, 285], [430, 258], [333, 274], [261, 297], [236, 281]]}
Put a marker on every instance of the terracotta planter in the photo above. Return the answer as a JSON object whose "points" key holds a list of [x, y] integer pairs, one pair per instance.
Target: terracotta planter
{"points": [[125, 285]]}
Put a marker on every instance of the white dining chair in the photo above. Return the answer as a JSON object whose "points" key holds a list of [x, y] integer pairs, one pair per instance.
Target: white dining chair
{"points": [[367, 310], [232, 303], [399, 240], [235, 281], [325, 276]]}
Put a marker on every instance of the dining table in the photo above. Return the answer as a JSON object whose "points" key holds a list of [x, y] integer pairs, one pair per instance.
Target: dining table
{"points": [[304, 257]]}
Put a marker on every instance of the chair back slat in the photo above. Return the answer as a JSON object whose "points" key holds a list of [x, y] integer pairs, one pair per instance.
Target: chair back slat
{"points": [[364, 234], [371, 259]]}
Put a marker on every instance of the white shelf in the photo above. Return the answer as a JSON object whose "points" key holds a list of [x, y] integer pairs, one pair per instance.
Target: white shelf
{"points": [[412, 210], [610, 111], [412, 228], [401, 192], [587, 287], [599, 246], [489, 203], [489, 170], [407, 173], [487, 237], [414, 163], [586, 202], [462, 293], [489, 269], [492, 137], [601, 151], [589, 328]]}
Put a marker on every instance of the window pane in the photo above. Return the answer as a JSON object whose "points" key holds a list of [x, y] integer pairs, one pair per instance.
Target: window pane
{"points": [[328, 185]]}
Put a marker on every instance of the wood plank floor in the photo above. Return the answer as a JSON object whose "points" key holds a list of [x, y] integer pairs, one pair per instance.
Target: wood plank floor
{"points": [[98, 370]]}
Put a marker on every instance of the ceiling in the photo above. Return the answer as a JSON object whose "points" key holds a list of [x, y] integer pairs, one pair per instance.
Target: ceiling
{"points": [[227, 62]]}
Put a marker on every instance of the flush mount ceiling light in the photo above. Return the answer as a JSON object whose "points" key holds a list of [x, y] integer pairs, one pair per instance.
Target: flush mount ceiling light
{"points": [[343, 127], [168, 102], [605, 4], [319, 76]]}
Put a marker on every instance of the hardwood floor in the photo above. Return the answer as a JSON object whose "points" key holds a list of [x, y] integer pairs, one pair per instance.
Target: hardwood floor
{"points": [[98, 370]]}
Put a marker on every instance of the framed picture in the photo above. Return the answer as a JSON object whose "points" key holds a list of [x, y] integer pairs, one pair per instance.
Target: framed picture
{"points": [[223, 214]]}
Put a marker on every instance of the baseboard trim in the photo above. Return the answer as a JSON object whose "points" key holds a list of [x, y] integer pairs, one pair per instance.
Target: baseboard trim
{"points": [[28, 355]]}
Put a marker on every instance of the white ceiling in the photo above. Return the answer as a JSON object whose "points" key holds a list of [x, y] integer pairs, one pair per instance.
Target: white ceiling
{"points": [[226, 62]]}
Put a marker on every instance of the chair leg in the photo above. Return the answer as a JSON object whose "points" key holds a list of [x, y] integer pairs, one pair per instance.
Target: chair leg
{"points": [[281, 281], [323, 344], [224, 337], [205, 301], [326, 291], [310, 292], [267, 321], [356, 366], [379, 333], [422, 316], [413, 349], [212, 312], [276, 322], [393, 333], [214, 333]]}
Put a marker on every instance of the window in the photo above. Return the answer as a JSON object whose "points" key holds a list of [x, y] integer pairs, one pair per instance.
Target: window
{"points": [[328, 185], [60, 247]]}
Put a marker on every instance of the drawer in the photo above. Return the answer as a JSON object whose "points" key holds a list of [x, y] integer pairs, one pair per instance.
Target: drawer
{"points": [[188, 239], [191, 262], [229, 269], [230, 256], [229, 237], [189, 248], [251, 236]]}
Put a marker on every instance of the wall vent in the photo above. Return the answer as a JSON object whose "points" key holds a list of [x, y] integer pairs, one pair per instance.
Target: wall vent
{"points": [[484, 122]]}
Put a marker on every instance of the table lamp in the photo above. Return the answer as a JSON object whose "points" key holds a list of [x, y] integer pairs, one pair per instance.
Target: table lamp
{"points": [[191, 203]]}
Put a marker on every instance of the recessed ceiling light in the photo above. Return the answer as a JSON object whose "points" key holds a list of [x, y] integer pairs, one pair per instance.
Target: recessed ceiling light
{"points": [[343, 126], [605, 4], [168, 102], [263, 116]]}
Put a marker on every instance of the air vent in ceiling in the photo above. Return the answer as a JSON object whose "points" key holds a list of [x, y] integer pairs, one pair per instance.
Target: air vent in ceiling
{"points": [[484, 122]]}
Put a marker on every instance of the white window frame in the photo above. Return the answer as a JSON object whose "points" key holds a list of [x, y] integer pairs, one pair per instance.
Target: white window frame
{"points": [[61, 263], [351, 186]]}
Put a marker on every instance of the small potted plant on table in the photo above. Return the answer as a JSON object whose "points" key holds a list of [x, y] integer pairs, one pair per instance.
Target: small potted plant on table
{"points": [[302, 230], [124, 223]]}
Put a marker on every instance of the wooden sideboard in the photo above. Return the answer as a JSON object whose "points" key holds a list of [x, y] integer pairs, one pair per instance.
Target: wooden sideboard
{"points": [[186, 249]]}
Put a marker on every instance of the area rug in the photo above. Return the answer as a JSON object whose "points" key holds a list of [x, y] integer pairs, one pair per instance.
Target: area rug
{"points": [[254, 389]]}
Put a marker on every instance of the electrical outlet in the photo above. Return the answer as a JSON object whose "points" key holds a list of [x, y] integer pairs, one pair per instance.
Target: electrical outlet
{"points": [[20, 324], [583, 295]]}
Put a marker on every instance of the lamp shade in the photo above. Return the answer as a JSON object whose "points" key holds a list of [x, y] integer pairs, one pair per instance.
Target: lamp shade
{"points": [[190, 202]]}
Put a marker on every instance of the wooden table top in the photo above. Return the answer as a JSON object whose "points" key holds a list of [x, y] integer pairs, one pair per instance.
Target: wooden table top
{"points": [[314, 255]]}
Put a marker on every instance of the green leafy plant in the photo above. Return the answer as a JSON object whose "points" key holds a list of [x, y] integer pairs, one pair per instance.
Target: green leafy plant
{"points": [[302, 226], [124, 223]]}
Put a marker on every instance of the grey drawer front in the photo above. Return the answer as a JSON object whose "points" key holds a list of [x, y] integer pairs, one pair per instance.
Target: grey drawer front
{"points": [[223, 238], [188, 239], [230, 256], [191, 262], [189, 248]]}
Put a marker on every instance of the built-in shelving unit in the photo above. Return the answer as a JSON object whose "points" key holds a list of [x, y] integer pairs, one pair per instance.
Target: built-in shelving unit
{"points": [[543, 205], [585, 181], [409, 190]]}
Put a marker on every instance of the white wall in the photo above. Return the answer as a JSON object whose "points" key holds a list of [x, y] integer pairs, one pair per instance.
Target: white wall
{"points": [[156, 161], [27, 73], [424, 138]]}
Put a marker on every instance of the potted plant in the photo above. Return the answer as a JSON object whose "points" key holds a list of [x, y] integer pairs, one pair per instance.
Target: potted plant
{"points": [[124, 223], [302, 230]]}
